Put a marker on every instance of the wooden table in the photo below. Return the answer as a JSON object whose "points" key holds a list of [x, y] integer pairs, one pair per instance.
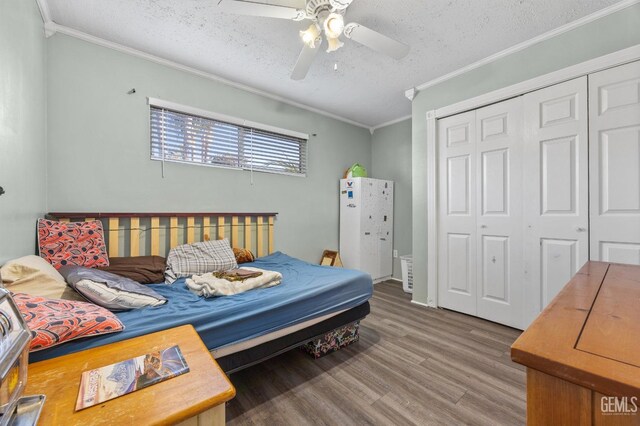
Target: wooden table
{"points": [[197, 397], [583, 351]]}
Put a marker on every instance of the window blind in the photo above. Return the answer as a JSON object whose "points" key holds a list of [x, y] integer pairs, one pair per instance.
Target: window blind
{"points": [[187, 138]]}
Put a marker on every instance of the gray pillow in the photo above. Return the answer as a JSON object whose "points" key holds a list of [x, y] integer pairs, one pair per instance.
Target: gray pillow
{"points": [[199, 258], [109, 290]]}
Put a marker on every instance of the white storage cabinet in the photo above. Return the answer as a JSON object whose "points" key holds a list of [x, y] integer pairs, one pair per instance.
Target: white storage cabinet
{"points": [[366, 226]]}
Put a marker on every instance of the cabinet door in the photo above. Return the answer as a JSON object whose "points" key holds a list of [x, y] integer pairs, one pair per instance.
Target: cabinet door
{"points": [[457, 284], [614, 112], [385, 193], [499, 211], [370, 241], [555, 190], [351, 223]]}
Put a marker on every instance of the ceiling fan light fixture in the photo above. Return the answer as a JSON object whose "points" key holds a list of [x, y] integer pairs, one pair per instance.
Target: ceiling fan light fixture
{"points": [[334, 44], [311, 35], [334, 25]]}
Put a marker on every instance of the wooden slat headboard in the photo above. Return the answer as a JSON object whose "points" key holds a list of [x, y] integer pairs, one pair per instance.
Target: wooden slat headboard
{"points": [[140, 234]]}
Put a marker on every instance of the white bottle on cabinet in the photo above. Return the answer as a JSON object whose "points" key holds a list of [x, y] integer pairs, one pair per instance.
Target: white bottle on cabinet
{"points": [[366, 226]]}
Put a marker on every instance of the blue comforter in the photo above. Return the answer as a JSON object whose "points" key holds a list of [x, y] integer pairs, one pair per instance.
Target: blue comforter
{"points": [[307, 291]]}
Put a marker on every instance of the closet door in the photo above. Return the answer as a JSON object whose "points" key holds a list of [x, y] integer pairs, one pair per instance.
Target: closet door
{"points": [[499, 212], [614, 112], [556, 190], [457, 213]]}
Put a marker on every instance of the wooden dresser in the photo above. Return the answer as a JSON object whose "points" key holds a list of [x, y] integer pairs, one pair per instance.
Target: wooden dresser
{"points": [[582, 353], [193, 399]]}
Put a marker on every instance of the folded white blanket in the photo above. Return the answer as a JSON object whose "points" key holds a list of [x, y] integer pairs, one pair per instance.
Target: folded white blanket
{"points": [[208, 285]]}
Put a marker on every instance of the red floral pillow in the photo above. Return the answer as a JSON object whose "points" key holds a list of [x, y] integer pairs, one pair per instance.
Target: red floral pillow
{"points": [[72, 243], [55, 321]]}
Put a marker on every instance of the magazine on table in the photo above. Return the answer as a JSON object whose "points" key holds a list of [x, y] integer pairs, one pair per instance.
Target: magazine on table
{"points": [[121, 378]]}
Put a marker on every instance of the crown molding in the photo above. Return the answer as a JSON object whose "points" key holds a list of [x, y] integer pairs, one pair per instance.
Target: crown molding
{"points": [[410, 93], [613, 59], [52, 28], [391, 122], [521, 46], [45, 14], [44, 10]]}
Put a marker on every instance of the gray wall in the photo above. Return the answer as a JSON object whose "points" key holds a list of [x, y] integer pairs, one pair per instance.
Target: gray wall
{"points": [[611, 33], [98, 140], [22, 126], [391, 159]]}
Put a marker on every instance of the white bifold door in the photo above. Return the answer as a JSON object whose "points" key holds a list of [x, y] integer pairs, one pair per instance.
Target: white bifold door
{"points": [[532, 188], [480, 213], [614, 121], [513, 203], [556, 192]]}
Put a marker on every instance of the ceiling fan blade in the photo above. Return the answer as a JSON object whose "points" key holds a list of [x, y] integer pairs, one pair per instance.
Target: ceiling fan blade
{"points": [[251, 8], [304, 62], [376, 41]]}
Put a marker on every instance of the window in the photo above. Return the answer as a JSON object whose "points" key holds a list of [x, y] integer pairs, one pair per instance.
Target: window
{"points": [[186, 135]]}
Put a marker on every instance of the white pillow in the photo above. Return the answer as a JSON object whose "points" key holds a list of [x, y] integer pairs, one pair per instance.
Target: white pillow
{"points": [[113, 298], [35, 276], [109, 290]]}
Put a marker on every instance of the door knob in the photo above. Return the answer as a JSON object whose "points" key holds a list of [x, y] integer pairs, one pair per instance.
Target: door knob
{"points": [[483, 226], [580, 229]]}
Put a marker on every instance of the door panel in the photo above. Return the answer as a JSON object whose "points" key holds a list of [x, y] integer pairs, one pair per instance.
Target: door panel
{"points": [[459, 179], [558, 170], [614, 116], [457, 279], [459, 264], [459, 134], [558, 111], [499, 224], [495, 262], [620, 252], [556, 190], [494, 126], [559, 261], [495, 182], [619, 172]]}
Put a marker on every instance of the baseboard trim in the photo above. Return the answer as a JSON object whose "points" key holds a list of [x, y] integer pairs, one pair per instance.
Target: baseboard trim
{"points": [[426, 305]]}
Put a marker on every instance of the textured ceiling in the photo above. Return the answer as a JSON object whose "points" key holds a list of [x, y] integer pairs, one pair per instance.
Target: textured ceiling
{"points": [[367, 87]]}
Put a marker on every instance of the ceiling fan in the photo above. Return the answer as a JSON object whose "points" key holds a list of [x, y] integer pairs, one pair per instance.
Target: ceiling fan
{"points": [[327, 17]]}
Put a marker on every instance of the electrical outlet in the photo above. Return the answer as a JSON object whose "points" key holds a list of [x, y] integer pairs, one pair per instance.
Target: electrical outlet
{"points": [[395, 253]]}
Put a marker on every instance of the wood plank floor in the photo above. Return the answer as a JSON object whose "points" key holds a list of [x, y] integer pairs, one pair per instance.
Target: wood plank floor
{"points": [[412, 365]]}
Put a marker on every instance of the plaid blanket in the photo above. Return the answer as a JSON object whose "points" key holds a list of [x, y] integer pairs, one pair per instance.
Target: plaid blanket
{"points": [[199, 258]]}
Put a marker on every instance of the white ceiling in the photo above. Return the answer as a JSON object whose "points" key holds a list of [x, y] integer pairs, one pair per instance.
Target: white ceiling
{"points": [[368, 87]]}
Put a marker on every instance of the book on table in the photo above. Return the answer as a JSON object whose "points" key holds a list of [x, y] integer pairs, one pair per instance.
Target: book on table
{"points": [[121, 378]]}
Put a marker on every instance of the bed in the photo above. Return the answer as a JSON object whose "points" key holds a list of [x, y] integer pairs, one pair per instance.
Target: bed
{"points": [[239, 330]]}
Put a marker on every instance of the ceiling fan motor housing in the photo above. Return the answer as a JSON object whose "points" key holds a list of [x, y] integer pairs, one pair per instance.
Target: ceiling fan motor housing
{"points": [[316, 7], [319, 9], [340, 4]]}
